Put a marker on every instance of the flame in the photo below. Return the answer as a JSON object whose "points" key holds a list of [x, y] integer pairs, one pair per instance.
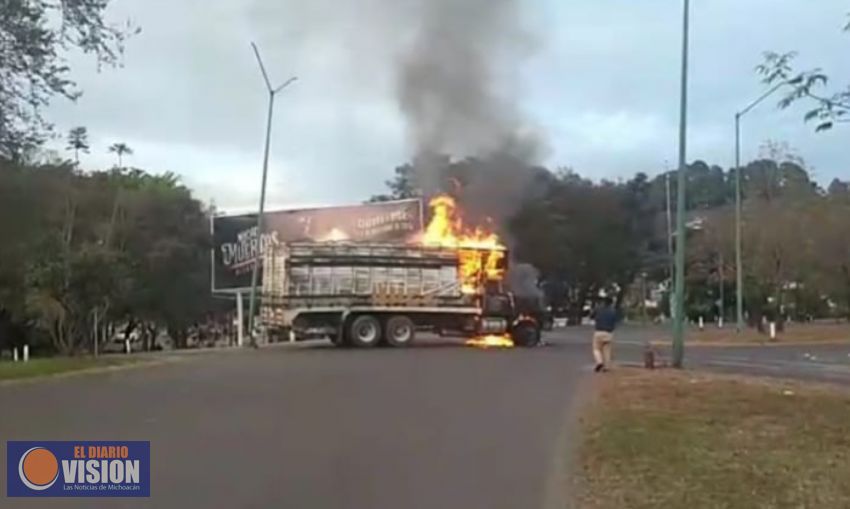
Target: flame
{"points": [[491, 341], [335, 235], [480, 252], [446, 228]]}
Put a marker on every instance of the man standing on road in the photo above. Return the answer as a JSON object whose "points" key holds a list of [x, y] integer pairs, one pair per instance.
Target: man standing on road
{"points": [[606, 321]]}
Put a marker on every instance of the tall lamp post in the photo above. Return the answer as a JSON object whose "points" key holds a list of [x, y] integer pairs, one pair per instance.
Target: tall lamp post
{"points": [[679, 315], [739, 265], [272, 92]]}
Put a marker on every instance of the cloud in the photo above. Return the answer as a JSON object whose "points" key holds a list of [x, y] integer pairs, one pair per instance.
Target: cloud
{"points": [[601, 87]]}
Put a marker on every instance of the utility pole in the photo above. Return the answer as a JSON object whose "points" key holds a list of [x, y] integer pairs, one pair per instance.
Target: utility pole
{"points": [[260, 214], [670, 264], [679, 317], [739, 264], [722, 307]]}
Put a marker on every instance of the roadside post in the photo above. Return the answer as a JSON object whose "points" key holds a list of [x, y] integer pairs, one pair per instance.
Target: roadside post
{"points": [[240, 324], [26, 354], [14, 354]]}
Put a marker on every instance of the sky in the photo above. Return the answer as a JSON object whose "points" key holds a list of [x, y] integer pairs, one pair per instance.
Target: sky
{"points": [[598, 82]]}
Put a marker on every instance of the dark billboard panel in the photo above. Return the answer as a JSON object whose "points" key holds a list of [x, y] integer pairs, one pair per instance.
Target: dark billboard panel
{"points": [[236, 243]]}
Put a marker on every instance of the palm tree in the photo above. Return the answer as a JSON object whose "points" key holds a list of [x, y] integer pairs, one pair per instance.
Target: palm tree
{"points": [[120, 149], [78, 139]]}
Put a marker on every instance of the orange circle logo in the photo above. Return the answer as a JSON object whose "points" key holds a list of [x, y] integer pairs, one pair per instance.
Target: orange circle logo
{"points": [[38, 468]]}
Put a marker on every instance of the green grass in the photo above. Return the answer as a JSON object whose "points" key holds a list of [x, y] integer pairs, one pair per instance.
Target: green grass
{"points": [[829, 332], [680, 440], [49, 366]]}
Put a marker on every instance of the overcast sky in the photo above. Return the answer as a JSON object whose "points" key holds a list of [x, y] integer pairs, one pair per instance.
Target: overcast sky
{"points": [[600, 84]]}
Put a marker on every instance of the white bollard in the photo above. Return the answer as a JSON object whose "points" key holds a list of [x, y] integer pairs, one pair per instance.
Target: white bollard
{"points": [[26, 353], [127, 348], [720, 322], [15, 354], [772, 331], [291, 336], [240, 327], [701, 323]]}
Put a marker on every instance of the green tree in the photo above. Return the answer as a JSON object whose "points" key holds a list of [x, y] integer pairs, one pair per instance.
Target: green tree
{"points": [[78, 141], [33, 70], [583, 236], [827, 108], [120, 149], [401, 186], [135, 246], [165, 233]]}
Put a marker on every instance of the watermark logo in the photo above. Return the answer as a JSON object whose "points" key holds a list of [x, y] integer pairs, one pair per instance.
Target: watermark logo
{"points": [[78, 469], [38, 468]]}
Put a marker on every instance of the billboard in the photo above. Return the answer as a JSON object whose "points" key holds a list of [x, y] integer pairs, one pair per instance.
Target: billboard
{"points": [[236, 242]]}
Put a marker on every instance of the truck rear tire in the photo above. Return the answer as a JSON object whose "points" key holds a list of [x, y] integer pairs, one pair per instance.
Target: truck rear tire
{"points": [[525, 334], [399, 331], [365, 331]]}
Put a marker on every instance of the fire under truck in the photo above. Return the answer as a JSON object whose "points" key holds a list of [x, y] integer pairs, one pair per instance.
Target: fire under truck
{"points": [[367, 294]]}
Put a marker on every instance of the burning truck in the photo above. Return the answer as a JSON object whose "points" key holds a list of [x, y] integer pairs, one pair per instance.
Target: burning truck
{"points": [[449, 280]]}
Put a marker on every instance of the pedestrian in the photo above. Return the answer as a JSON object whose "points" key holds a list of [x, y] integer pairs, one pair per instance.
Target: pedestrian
{"points": [[605, 319]]}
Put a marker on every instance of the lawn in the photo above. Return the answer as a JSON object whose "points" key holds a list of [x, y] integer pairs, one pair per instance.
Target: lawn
{"points": [[686, 440], [49, 366], [793, 333]]}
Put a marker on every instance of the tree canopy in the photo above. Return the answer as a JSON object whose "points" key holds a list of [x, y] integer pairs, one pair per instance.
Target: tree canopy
{"points": [[34, 35], [587, 238], [99, 247], [827, 108]]}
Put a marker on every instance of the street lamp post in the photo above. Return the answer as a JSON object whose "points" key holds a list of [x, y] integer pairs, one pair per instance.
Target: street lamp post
{"points": [[254, 271], [679, 315], [739, 265]]}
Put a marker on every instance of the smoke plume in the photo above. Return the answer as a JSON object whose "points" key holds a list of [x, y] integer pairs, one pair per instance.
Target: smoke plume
{"points": [[456, 83], [453, 68]]}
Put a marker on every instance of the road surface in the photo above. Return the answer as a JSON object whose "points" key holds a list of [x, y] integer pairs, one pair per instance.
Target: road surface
{"points": [[823, 363], [438, 426]]}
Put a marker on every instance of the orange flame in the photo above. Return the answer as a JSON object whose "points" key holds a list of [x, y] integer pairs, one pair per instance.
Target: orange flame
{"points": [[480, 253], [491, 342]]}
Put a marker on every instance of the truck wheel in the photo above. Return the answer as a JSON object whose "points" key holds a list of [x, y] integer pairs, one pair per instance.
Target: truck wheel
{"points": [[399, 331], [525, 334], [365, 331]]}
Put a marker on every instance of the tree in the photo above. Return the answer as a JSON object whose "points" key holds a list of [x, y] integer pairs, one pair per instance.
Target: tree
{"points": [[134, 247], [839, 187], [829, 109], [710, 264], [35, 34], [587, 237], [401, 186], [828, 229], [583, 236], [120, 149], [78, 140]]}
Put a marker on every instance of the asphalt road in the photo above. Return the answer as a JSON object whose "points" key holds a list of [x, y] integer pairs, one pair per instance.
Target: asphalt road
{"points": [[435, 426], [438, 426], [823, 363]]}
